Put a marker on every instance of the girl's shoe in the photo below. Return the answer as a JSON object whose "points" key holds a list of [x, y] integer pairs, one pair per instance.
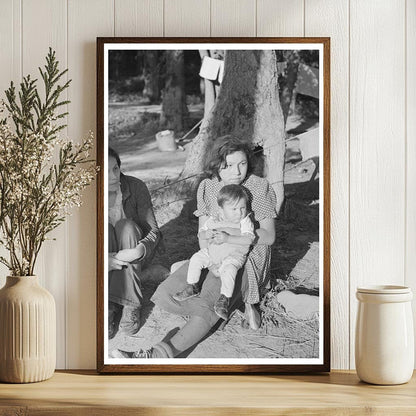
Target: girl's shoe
{"points": [[160, 350], [131, 354], [190, 291]]}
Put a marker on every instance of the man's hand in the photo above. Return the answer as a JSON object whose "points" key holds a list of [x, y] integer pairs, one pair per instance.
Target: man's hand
{"points": [[131, 254], [115, 264]]}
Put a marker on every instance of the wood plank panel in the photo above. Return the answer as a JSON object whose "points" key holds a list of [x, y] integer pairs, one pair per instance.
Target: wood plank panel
{"points": [[411, 151], [11, 66], [10, 44], [6, 46], [44, 26], [187, 18], [330, 18], [377, 147], [233, 18], [86, 21], [279, 18], [138, 18]]}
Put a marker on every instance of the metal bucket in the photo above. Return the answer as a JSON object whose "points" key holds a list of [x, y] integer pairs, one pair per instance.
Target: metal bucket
{"points": [[166, 141]]}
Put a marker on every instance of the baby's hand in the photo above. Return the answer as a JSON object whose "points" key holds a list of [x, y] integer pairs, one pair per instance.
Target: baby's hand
{"points": [[209, 234], [220, 237]]}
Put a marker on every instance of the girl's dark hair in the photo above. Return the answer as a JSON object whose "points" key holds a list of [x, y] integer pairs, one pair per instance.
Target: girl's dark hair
{"points": [[231, 193], [114, 154], [222, 147]]}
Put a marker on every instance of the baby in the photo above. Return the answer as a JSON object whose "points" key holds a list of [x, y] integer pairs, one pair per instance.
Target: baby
{"points": [[225, 241]]}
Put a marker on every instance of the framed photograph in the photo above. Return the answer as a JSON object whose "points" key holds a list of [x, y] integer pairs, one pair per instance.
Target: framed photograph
{"points": [[213, 205]]}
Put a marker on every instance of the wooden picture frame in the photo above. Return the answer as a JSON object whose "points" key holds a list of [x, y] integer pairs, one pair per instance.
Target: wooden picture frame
{"points": [[303, 226]]}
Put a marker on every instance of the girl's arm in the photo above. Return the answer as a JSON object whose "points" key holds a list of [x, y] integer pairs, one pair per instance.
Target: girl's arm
{"points": [[266, 234]]}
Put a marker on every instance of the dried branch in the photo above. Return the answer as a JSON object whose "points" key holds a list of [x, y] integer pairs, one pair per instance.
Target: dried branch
{"points": [[36, 194]]}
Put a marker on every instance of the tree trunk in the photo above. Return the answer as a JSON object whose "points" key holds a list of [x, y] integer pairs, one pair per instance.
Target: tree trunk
{"points": [[288, 80], [195, 160], [174, 109], [269, 124], [151, 89], [248, 107]]}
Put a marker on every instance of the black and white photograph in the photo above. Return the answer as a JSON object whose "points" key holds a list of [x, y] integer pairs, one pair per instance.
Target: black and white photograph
{"points": [[213, 205]]}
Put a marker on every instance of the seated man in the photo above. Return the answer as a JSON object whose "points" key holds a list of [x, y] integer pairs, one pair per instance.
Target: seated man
{"points": [[133, 235]]}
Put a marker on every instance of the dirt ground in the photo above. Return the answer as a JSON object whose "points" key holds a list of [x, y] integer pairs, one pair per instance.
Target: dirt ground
{"points": [[295, 258]]}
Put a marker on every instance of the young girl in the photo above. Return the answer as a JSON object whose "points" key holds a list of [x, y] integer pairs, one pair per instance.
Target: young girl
{"points": [[227, 238], [228, 163]]}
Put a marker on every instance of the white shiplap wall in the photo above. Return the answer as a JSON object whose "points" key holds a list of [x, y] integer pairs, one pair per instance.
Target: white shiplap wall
{"points": [[373, 132]]}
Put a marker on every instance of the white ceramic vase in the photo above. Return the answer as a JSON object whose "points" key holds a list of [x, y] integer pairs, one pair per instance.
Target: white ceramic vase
{"points": [[27, 331], [384, 343]]}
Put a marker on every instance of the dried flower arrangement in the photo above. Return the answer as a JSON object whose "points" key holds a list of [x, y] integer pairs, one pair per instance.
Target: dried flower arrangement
{"points": [[42, 175]]}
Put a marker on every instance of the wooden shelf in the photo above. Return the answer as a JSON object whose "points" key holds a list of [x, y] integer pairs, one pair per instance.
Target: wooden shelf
{"points": [[86, 393]]}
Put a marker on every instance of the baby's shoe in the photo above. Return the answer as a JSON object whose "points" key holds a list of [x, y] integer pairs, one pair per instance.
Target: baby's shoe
{"points": [[190, 291], [221, 307], [131, 354], [160, 350]]}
